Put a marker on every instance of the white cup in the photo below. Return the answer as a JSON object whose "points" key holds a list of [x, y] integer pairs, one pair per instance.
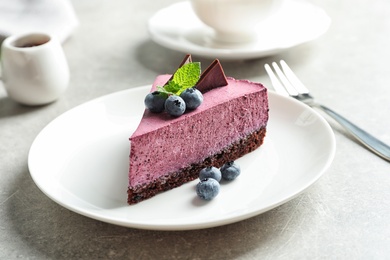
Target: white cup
{"points": [[234, 21], [34, 68]]}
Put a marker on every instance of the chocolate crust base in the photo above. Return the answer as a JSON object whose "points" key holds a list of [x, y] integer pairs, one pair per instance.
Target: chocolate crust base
{"points": [[176, 179]]}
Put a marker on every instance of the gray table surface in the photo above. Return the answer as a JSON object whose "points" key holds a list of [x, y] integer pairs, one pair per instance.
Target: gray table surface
{"points": [[345, 215]]}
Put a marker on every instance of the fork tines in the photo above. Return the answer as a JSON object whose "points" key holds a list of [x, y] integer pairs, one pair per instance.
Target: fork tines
{"points": [[285, 82]]}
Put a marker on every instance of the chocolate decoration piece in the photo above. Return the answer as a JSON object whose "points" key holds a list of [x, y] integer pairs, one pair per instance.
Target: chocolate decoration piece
{"points": [[212, 77], [187, 59]]}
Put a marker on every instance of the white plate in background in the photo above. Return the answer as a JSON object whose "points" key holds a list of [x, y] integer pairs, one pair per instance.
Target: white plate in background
{"points": [[178, 28]]}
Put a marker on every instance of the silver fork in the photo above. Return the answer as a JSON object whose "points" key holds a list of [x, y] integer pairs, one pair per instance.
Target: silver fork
{"points": [[288, 84]]}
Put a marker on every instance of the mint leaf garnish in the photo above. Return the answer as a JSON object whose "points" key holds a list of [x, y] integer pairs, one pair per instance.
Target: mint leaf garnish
{"points": [[170, 88], [185, 77]]}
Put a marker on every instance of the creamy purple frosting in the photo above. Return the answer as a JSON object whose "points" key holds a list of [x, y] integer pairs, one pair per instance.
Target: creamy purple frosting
{"points": [[163, 144]]}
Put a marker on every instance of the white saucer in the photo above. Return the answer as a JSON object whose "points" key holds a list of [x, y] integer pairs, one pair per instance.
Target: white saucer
{"points": [[177, 27]]}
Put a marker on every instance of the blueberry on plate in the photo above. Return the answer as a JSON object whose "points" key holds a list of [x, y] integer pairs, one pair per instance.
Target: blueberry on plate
{"points": [[230, 171], [192, 97], [207, 189], [155, 101], [210, 172], [175, 105]]}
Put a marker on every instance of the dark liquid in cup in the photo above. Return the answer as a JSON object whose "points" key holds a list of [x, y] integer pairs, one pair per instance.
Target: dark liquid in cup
{"points": [[31, 40], [32, 44]]}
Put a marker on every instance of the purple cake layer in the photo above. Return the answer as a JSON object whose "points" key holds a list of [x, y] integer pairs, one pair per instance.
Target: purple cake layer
{"points": [[175, 179]]}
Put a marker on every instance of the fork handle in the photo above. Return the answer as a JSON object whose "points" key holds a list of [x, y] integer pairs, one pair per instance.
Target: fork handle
{"points": [[376, 146]]}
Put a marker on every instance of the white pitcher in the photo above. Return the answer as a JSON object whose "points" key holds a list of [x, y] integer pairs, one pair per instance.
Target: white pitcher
{"points": [[34, 68]]}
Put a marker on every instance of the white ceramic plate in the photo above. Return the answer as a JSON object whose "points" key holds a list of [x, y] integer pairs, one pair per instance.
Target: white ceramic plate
{"points": [[80, 160], [295, 22]]}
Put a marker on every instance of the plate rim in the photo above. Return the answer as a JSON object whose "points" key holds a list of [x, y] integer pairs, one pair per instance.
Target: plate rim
{"points": [[172, 227]]}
